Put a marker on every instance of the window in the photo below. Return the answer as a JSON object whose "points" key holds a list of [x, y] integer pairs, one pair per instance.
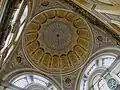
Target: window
{"points": [[100, 84], [96, 82], [31, 82]]}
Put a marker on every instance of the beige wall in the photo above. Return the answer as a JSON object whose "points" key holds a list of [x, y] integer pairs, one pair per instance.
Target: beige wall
{"points": [[1, 2]]}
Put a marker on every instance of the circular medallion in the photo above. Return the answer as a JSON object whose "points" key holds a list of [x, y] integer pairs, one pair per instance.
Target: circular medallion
{"points": [[57, 41], [112, 84], [57, 35]]}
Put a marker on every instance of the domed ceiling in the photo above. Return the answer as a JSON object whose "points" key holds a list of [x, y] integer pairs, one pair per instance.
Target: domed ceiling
{"points": [[57, 41]]}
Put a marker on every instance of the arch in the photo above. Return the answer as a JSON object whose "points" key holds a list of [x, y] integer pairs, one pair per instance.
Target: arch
{"points": [[93, 69], [22, 79]]}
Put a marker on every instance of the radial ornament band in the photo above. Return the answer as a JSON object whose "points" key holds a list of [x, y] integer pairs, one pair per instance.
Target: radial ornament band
{"points": [[57, 41]]}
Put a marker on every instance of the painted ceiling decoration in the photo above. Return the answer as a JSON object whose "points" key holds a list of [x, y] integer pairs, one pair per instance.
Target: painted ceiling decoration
{"points": [[59, 44], [57, 41]]}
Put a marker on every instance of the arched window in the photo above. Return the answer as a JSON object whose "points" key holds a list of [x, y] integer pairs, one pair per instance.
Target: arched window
{"points": [[102, 61], [100, 83], [92, 77], [31, 82]]}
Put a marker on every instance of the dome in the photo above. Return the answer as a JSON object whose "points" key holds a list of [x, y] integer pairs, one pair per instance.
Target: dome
{"points": [[57, 41]]}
